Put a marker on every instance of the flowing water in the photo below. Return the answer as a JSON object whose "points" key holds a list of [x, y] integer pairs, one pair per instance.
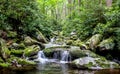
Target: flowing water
{"points": [[65, 57], [41, 57]]}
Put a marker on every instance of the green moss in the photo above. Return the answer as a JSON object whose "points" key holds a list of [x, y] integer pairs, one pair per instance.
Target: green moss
{"points": [[1, 60], [48, 52], [11, 34], [69, 42], [25, 62], [21, 45], [107, 43], [31, 50], [4, 65], [90, 64], [17, 52]]}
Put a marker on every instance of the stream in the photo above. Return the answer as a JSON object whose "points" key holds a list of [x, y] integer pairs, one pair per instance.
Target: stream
{"points": [[58, 65], [57, 68]]}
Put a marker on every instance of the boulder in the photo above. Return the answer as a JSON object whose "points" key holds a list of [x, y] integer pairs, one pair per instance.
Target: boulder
{"points": [[94, 41], [75, 51], [28, 41], [40, 37], [107, 44], [94, 63], [31, 50], [81, 44]]}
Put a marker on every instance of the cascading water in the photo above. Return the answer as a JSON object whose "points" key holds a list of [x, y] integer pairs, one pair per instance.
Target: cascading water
{"points": [[65, 57], [41, 57]]}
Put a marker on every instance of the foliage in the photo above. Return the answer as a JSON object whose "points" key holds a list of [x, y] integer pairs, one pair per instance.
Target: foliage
{"points": [[22, 16]]}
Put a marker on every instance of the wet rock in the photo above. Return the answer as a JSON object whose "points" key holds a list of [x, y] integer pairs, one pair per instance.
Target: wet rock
{"points": [[31, 50], [94, 41], [93, 61], [107, 44], [75, 51]]}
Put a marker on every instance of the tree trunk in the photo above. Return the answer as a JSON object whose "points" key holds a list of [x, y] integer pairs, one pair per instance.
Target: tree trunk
{"points": [[109, 3]]}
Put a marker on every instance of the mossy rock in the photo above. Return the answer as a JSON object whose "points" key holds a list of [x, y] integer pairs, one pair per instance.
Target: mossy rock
{"points": [[17, 46], [69, 42], [17, 52], [94, 41], [31, 50], [48, 52], [25, 62], [4, 49], [11, 34], [20, 61], [41, 37], [29, 41], [94, 63], [82, 45], [74, 37], [4, 65], [107, 44]]}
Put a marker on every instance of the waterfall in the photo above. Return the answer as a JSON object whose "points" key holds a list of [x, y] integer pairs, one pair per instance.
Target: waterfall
{"points": [[41, 57], [65, 57]]}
